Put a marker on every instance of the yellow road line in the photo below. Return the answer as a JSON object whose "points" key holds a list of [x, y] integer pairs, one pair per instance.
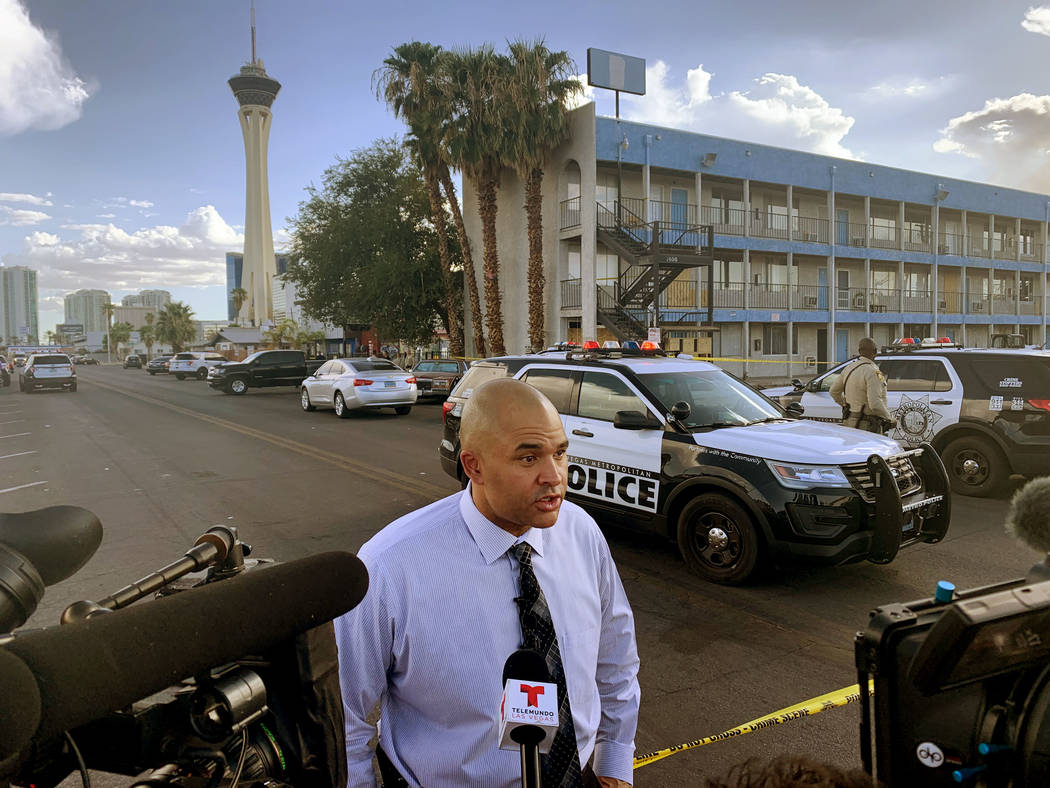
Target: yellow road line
{"points": [[371, 472]]}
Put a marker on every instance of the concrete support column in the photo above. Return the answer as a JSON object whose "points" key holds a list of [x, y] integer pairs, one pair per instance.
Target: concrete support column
{"points": [[1046, 270], [698, 184], [792, 279], [936, 274], [747, 208], [965, 235], [1017, 300], [867, 293], [790, 218], [964, 294], [1017, 238], [900, 296], [900, 225], [588, 254], [991, 297], [747, 278], [833, 295], [991, 237], [646, 171], [867, 220]]}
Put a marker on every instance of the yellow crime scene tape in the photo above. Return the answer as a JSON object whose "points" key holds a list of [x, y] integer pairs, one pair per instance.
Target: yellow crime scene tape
{"points": [[806, 708]]}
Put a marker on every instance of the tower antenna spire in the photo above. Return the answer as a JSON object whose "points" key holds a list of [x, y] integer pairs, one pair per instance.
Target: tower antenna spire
{"points": [[253, 32]]}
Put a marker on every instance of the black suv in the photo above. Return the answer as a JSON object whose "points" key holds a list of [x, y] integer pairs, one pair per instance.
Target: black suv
{"points": [[132, 362], [987, 412], [682, 449]]}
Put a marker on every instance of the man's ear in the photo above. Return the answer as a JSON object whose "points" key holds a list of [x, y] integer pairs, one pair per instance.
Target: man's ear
{"points": [[471, 463]]}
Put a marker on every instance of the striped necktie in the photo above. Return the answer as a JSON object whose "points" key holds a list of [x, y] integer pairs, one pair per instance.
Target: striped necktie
{"points": [[561, 766]]}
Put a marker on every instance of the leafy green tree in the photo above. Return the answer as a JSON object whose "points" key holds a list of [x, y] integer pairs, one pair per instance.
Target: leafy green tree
{"points": [[239, 296], [120, 333], [175, 325], [364, 250], [285, 333]]}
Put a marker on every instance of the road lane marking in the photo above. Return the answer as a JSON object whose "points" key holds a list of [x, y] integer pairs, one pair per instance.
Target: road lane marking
{"points": [[15, 435], [17, 454], [21, 487], [408, 483], [13, 421]]}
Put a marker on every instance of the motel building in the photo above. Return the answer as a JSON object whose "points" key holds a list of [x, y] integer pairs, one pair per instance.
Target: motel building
{"points": [[782, 258]]}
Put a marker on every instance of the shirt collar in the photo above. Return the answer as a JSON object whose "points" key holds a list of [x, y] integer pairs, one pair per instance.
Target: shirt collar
{"points": [[492, 540]]}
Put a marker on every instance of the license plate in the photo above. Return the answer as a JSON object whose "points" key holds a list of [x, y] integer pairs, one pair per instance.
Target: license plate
{"points": [[390, 384], [441, 384]]}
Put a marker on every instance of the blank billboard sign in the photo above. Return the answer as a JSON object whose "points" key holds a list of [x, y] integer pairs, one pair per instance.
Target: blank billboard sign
{"points": [[615, 71]]}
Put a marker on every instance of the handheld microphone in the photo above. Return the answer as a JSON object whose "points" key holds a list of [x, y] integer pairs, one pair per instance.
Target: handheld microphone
{"points": [[528, 718], [87, 669], [1028, 519]]}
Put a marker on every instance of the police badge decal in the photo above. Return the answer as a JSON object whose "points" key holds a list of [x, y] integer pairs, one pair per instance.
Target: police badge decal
{"points": [[915, 420]]}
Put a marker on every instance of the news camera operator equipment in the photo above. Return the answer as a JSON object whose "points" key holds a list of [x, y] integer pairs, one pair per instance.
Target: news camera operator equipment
{"points": [[109, 690], [962, 681]]}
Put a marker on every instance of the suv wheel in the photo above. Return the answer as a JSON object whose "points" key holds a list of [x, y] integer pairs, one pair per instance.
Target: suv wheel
{"points": [[403, 410], [975, 466], [179, 376], [237, 386], [202, 373], [718, 540]]}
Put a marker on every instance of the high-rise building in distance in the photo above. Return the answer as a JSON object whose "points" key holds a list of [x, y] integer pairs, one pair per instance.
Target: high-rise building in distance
{"points": [[151, 298], [20, 304], [234, 279], [87, 307]]}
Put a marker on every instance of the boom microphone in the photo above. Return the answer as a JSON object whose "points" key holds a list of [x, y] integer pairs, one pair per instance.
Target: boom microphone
{"points": [[89, 668], [1028, 519]]}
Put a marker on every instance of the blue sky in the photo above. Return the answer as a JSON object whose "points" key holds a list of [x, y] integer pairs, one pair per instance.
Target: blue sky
{"points": [[121, 160]]}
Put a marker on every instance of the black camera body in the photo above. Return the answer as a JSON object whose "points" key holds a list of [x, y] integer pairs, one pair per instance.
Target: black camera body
{"points": [[962, 689]]}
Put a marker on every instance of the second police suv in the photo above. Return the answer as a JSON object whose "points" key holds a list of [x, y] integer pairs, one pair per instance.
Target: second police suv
{"points": [[682, 449]]}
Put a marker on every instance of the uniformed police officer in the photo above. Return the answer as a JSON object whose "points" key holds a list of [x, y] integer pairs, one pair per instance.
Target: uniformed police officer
{"points": [[861, 391]]}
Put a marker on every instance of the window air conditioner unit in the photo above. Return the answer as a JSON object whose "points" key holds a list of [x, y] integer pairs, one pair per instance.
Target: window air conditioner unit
{"points": [[858, 300], [810, 301], [942, 305], [811, 361], [942, 249], [977, 306]]}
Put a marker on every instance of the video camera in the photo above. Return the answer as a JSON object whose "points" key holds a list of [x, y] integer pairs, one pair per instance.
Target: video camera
{"points": [[962, 682], [228, 676]]}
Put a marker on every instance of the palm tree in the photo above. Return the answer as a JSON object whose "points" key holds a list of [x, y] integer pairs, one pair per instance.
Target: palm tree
{"points": [[175, 325], [284, 333], [107, 310], [147, 335], [542, 83], [239, 296], [475, 137], [407, 82]]}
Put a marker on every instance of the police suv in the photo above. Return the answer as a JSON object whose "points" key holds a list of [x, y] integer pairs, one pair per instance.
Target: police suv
{"points": [[682, 449], [987, 412]]}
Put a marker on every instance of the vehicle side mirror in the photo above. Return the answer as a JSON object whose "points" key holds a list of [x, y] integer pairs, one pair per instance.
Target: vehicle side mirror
{"points": [[795, 409], [634, 420], [681, 410], [798, 384]]}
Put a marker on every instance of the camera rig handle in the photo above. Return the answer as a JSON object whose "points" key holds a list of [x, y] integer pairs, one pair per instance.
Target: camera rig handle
{"points": [[218, 548]]}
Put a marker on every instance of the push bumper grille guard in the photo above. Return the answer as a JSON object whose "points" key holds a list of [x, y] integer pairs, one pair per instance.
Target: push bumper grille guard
{"points": [[930, 516]]}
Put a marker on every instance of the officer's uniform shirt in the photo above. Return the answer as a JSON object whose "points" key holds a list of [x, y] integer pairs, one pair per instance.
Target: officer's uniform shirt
{"points": [[865, 386]]}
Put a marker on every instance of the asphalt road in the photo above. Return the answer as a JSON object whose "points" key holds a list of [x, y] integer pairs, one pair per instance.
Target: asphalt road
{"points": [[160, 460]]}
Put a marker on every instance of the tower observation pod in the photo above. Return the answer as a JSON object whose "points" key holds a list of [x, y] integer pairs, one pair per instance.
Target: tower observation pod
{"points": [[255, 93]]}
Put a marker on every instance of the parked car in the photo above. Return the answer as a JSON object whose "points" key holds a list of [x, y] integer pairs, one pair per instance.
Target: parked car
{"points": [[346, 384], [194, 364], [85, 360], [986, 411], [261, 369], [158, 364], [683, 450], [437, 377], [48, 371], [132, 362]]}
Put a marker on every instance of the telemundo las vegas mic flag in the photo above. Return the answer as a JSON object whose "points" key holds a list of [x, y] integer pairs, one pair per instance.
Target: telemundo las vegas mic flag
{"points": [[528, 703]]}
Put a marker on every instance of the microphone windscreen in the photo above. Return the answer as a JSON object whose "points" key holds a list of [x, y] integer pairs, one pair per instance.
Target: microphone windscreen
{"points": [[89, 668], [20, 701], [1028, 518], [526, 664]]}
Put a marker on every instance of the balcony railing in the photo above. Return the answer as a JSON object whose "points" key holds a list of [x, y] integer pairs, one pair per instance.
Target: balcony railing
{"points": [[977, 305], [811, 230], [726, 295], [885, 237], [1007, 248], [673, 215], [917, 239], [915, 301], [1032, 251], [763, 296], [1004, 305], [950, 302], [850, 234], [978, 247], [679, 294], [770, 225], [1030, 307], [570, 294], [570, 213], [882, 300], [950, 243], [811, 297], [853, 299]]}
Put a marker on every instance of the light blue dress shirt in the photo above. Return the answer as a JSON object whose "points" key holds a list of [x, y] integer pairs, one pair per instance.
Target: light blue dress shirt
{"points": [[438, 622]]}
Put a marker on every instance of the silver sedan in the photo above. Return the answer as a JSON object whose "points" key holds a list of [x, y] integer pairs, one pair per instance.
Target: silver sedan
{"points": [[346, 384]]}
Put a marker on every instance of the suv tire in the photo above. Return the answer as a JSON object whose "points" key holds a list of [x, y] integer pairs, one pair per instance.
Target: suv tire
{"points": [[202, 373], [237, 386], [718, 540], [976, 466], [180, 376]]}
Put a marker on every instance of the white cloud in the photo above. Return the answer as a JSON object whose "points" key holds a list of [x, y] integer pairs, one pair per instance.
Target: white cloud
{"points": [[1011, 135], [585, 96], [778, 110], [1037, 20], [910, 89], [28, 199], [38, 89], [15, 217], [108, 257], [140, 203], [106, 216]]}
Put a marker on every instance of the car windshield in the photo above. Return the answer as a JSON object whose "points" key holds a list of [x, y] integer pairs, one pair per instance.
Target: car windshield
{"points": [[715, 398], [40, 360]]}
